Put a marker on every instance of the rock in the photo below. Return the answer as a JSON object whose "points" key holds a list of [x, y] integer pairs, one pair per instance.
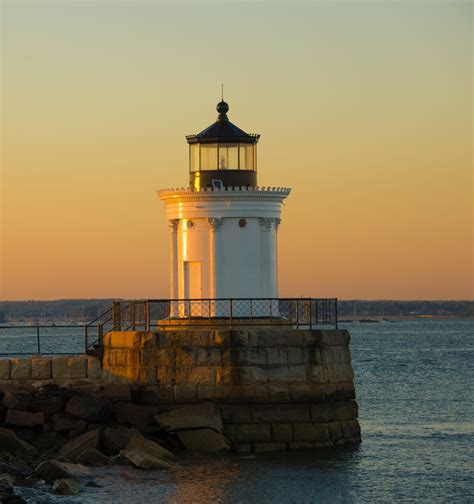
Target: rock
{"points": [[10, 443], [65, 487], [92, 484], [116, 392], [62, 422], [92, 457], [24, 418], [143, 460], [70, 451], [200, 416], [141, 443], [114, 440], [119, 460], [203, 440], [7, 479], [41, 368], [135, 414], [4, 369], [47, 404], [18, 400], [20, 369], [90, 408], [51, 470]]}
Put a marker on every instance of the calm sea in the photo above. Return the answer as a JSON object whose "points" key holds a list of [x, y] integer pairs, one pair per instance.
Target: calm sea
{"points": [[414, 385]]}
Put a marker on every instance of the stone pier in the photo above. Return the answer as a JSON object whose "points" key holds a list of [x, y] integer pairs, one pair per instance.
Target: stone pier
{"points": [[276, 388]]}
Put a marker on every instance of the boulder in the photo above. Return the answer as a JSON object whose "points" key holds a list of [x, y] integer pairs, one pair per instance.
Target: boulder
{"points": [[114, 440], [141, 443], [135, 414], [70, 451], [63, 422], [10, 443], [116, 392], [204, 440], [143, 460], [90, 408], [24, 418], [92, 457], [200, 416], [17, 399], [65, 487], [49, 404], [51, 470]]}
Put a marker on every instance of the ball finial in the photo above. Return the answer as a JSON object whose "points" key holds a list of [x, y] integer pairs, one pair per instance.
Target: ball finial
{"points": [[222, 107]]}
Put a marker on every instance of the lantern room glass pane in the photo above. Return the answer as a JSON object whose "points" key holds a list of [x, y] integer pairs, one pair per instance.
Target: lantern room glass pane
{"points": [[246, 157], [208, 156], [228, 157], [194, 157]]}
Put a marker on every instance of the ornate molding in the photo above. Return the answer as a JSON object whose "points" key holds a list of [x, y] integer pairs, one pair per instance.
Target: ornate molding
{"points": [[173, 224], [277, 223], [215, 223], [267, 223]]}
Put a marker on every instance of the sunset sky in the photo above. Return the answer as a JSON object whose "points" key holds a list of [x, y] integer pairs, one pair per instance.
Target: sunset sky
{"points": [[365, 110]]}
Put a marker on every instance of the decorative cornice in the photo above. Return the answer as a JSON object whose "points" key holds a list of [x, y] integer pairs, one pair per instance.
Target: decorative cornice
{"points": [[228, 193]]}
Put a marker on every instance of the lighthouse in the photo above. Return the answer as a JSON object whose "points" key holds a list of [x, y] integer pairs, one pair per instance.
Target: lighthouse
{"points": [[223, 226]]}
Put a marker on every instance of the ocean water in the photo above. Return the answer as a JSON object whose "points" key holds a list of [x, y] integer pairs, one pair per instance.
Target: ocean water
{"points": [[414, 384]]}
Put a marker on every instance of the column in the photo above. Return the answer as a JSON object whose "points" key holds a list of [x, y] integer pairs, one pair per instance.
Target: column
{"points": [[275, 252], [173, 224], [215, 261], [266, 225]]}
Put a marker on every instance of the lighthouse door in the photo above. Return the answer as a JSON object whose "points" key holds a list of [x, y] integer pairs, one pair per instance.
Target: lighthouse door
{"points": [[192, 287]]}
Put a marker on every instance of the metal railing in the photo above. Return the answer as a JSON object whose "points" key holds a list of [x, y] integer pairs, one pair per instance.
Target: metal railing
{"points": [[42, 340], [154, 314], [304, 313]]}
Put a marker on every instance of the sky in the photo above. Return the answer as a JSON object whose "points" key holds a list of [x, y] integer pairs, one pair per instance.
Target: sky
{"points": [[364, 109]]}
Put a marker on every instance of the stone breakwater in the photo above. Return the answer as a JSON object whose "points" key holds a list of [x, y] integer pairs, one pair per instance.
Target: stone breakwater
{"points": [[156, 393], [277, 388]]}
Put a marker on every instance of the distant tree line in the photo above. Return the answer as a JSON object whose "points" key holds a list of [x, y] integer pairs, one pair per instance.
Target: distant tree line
{"points": [[88, 309], [361, 308], [76, 309]]}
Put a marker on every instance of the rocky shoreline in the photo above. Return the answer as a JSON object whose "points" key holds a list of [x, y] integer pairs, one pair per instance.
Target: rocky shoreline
{"points": [[53, 434]]}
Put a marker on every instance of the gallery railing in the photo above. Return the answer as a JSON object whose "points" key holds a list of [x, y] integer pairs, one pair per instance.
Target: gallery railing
{"points": [[297, 312], [150, 314]]}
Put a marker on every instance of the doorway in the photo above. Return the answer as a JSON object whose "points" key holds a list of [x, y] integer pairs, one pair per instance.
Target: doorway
{"points": [[193, 288]]}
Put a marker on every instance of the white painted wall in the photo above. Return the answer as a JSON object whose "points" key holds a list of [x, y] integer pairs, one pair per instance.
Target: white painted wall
{"points": [[235, 262]]}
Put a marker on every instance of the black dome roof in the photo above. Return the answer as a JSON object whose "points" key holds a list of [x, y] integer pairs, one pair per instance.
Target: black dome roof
{"points": [[222, 130]]}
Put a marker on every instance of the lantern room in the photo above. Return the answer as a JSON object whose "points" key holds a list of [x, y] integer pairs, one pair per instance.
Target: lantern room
{"points": [[222, 155]]}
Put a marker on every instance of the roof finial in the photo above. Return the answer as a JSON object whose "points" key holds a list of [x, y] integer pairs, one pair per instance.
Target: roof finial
{"points": [[222, 106]]}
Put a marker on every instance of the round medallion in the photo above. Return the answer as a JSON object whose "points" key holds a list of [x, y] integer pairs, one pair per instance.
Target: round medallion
{"points": [[190, 224], [242, 223]]}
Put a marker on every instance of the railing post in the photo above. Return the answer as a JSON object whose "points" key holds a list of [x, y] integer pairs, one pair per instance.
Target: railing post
{"points": [[335, 310], [117, 315], [86, 338], [310, 314], [297, 313], [147, 314], [38, 339], [101, 334], [230, 312], [132, 315]]}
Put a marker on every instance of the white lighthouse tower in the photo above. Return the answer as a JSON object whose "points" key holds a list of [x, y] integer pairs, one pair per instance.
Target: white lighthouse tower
{"points": [[223, 226]]}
